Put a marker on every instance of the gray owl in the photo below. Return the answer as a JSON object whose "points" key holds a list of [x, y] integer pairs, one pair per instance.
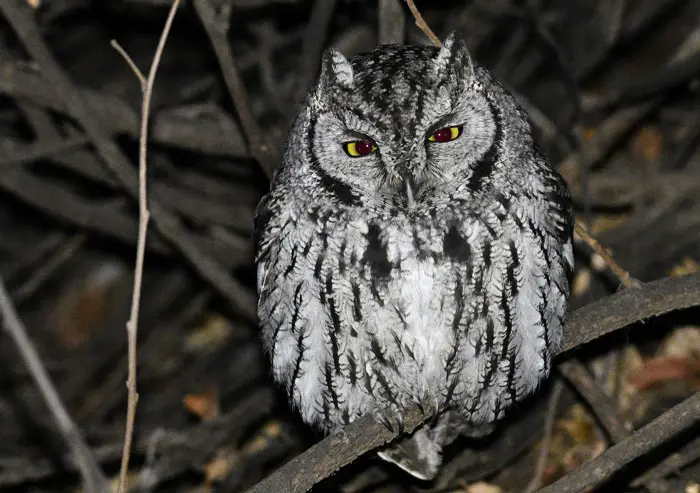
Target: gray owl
{"points": [[415, 248]]}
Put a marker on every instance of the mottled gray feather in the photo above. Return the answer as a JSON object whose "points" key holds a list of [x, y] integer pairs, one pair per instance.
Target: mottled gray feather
{"points": [[424, 273]]}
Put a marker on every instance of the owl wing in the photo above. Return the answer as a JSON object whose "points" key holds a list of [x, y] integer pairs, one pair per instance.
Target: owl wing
{"points": [[263, 215], [558, 197]]}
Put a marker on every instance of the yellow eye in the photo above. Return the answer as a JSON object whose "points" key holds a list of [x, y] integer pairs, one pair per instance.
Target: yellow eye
{"points": [[446, 134], [359, 148]]}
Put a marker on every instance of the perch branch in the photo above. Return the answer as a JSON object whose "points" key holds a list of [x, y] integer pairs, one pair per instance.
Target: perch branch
{"points": [[93, 479], [595, 320]]}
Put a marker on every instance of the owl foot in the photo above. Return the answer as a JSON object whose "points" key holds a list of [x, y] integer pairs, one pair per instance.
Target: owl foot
{"points": [[393, 421], [342, 434], [418, 455]]}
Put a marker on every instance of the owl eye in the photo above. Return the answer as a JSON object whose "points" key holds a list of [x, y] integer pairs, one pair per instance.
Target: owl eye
{"points": [[446, 134], [359, 148]]}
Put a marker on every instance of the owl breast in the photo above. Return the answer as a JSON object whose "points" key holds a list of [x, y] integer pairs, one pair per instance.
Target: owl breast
{"points": [[443, 308]]}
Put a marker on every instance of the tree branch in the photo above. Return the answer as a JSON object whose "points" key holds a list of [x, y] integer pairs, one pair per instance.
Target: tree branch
{"points": [[20, 16], [93, 479], [670, 424], [216, 26], [133, 322]]}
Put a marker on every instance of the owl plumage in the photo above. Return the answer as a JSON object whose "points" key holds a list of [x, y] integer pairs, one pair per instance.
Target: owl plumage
{"points": [[415, 248]]}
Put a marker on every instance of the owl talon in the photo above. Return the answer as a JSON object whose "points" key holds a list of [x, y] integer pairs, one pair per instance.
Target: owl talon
{"points": [[342, 434], [392, 421]]}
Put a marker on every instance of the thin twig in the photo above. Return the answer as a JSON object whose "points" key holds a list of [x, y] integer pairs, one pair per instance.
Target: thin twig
{"points": [[132, 324], [422, 25], [216, 24], [130, 62], [546, 442], [623, 276], [93, 479]]}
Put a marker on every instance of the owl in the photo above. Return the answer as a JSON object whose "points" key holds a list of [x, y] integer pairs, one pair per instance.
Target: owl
{"points": [[415, 248]]}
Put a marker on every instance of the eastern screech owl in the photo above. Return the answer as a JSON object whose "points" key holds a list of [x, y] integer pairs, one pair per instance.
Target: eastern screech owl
{"points": [[415, 248]]}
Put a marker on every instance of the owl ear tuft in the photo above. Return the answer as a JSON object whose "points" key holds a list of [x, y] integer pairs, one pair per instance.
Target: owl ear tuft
{"points": [[335, 70], [453, 58]]}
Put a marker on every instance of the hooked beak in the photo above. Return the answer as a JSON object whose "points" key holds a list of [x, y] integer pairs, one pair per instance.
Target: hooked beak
{"points": [[409, 190]]}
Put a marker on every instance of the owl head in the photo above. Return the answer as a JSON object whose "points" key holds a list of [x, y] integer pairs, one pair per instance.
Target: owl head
{"points": [[401, 125]]}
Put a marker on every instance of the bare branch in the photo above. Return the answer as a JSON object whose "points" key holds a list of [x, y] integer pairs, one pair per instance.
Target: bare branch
{"points": [[166, 223], [670, 424], [130, 62], [93, 479], [216, 25], [422, 25], [132, 323], [623, 276]]}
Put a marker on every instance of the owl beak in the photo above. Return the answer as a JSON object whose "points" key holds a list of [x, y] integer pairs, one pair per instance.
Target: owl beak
{"points": [[409, 189]]}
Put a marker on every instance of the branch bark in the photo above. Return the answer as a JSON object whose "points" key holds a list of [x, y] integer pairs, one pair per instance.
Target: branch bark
{"points": [[670, 424]]}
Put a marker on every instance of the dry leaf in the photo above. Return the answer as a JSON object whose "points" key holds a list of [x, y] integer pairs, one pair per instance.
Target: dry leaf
{"points": [[35, 4], [482, 488], [582, 282], [660, 369], [82, 306], [218, 468], [271, 430], [204, 405], [683, 342], [588, 133], [214, 331], [578, 424], [648, 143], [687, 266], [632, 406]]}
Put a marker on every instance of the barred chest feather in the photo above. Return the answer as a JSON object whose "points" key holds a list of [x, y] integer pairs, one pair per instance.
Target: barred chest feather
{"points": [[360, 315]]}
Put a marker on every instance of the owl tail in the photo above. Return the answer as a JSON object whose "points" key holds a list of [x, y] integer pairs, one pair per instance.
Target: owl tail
{"points": [[420, 454]]}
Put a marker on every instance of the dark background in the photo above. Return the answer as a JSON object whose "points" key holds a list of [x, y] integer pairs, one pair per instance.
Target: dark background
{"points": [[611, 87]]}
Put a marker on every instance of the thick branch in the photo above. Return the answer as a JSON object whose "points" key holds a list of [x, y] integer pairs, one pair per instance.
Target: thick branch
{"points": [[333, 453], [670, 424]]}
